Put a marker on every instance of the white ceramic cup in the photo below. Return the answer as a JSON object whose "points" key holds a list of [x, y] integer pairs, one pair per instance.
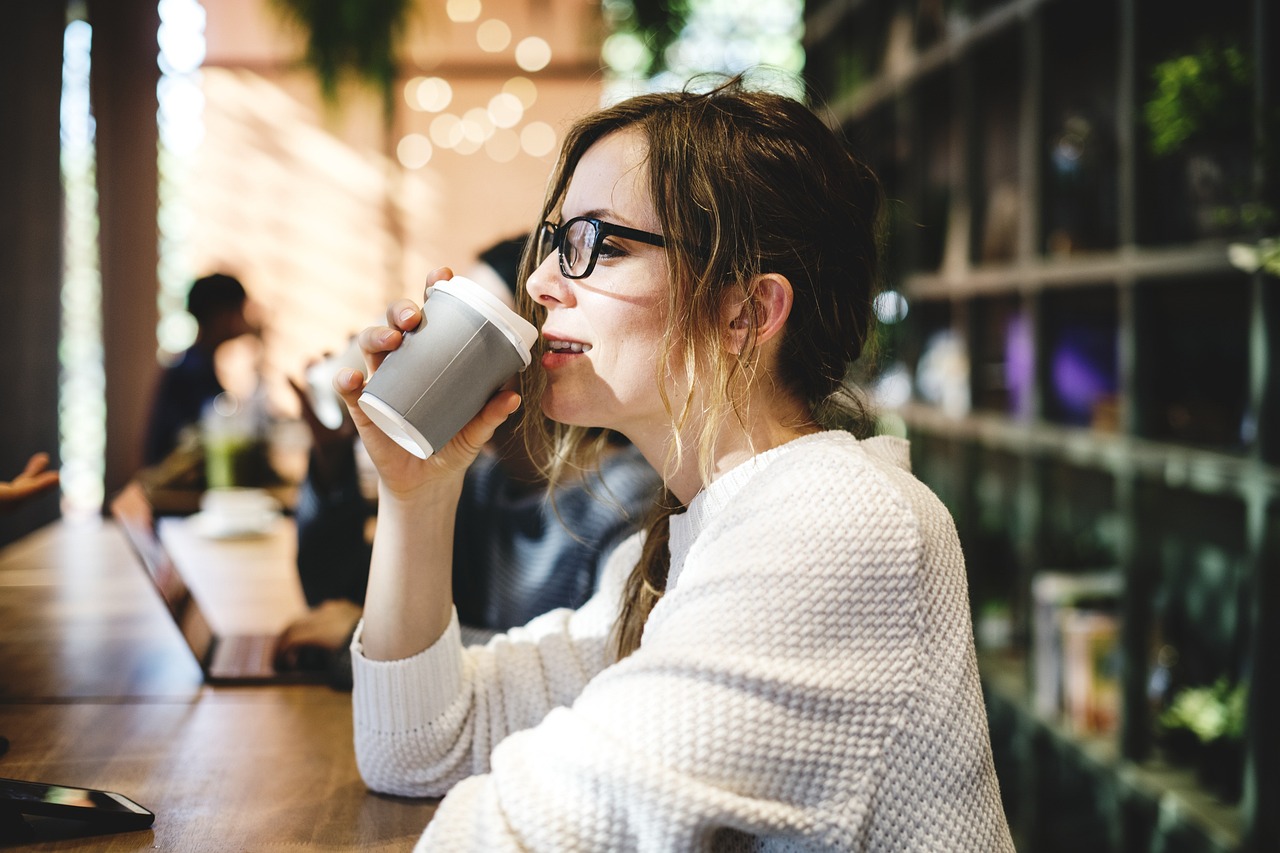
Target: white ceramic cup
{"points": [[325, 401], [467, 345]]}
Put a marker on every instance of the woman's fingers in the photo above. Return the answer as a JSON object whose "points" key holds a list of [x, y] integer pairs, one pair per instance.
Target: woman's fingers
{"points": [[349, 383], [376, 342], [404, 314], [437, 275], [466, 445]]}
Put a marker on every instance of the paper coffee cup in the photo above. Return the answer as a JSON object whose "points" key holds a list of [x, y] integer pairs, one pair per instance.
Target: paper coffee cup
{"points": [[466, 347]]}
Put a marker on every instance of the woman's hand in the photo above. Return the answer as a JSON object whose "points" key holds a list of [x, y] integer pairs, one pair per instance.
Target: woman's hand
{"points": [[409, 602], [400, 472]]}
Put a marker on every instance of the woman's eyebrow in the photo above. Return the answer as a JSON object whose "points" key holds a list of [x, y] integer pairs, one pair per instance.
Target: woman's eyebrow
{"points": [[612, 217]]}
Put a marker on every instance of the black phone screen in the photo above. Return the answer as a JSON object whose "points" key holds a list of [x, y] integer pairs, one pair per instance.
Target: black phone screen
{"points": [[59, 801]]}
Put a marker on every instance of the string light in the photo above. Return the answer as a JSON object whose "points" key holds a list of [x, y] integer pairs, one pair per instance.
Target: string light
{"points": [[495, 128]]}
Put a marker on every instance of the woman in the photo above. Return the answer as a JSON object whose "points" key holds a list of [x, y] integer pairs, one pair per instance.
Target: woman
{"points": [[784, 658]]}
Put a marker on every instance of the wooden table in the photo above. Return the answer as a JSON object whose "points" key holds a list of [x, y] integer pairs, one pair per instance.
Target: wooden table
{"points": [[97, 689]]}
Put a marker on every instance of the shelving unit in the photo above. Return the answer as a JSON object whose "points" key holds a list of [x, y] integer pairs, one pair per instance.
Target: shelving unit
{"points": [[1095, 385]]}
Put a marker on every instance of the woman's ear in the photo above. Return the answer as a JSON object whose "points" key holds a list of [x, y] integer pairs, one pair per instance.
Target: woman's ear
{"points": [[770, 302]]}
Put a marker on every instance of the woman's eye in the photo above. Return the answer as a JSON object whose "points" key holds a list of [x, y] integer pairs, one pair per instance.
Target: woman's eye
{"points": [[610, 250]]}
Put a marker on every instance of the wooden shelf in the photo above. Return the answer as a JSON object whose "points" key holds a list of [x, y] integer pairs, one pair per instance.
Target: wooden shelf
{"points": [[964, 35], [1127, 264], [1175, 790], [821, 22], [1071, 292], [1175, 465]]}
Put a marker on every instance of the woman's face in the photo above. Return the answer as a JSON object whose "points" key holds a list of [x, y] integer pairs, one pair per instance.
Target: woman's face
{"points": [[603, 334]]}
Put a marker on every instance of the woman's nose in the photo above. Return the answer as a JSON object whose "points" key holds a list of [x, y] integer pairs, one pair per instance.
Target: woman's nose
{"points": [[547, 286]]}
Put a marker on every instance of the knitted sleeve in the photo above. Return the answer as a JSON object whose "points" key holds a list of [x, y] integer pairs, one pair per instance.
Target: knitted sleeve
{"points": [[772, 682], [424, 723]]}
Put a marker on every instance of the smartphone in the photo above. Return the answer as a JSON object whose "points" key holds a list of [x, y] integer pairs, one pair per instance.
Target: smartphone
{"points": [[107, 810]]}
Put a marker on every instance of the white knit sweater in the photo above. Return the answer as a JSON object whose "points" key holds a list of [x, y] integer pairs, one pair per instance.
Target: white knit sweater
{"points": [[808, 682]]}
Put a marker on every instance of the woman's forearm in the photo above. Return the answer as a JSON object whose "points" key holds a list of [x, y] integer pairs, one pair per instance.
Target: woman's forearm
{"points": [[410, 598]]}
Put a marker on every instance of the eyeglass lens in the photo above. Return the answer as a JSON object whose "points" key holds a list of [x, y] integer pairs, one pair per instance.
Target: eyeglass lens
{"points": [[578, 245], [546, 241], [576, 241]]}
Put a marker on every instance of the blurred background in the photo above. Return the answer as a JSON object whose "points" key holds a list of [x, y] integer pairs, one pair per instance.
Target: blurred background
{"points": [[1079, 321]]}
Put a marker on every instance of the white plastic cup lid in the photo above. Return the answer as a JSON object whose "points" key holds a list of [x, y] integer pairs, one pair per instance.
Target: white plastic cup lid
{"points": [[518, 330]]}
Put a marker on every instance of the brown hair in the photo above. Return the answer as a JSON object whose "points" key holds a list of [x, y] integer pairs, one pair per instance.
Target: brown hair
{"points": [[744, 183]]}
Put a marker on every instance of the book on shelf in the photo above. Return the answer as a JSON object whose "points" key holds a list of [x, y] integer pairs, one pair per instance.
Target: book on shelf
{"points": [[1075, 635]]}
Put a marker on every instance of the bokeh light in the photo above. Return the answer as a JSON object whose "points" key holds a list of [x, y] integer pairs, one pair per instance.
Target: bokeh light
{"points": [[505, 110], [538, 139], [414, 151], [493, 36], [524, 89], [446, 130], [433, 94], [479, 118], [462, 11], [890, 307], [533, 54], [503, 146]]}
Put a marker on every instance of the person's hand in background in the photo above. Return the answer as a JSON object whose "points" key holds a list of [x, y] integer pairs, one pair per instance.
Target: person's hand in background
{"points": [[326, 627], [331, 446], [34, 479]]}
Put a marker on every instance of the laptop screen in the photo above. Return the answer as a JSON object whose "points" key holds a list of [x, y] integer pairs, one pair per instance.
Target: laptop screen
{"points": [[133, 513]]}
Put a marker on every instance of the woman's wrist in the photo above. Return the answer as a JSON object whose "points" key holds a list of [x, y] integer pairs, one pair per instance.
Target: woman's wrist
{"points": [[441, 494]]}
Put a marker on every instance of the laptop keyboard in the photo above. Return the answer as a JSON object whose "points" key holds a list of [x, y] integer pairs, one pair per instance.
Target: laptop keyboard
{"points": [[244, 657]]}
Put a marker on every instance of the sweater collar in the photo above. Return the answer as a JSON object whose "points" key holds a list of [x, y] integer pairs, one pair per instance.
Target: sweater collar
{"points": [[706, 505]]}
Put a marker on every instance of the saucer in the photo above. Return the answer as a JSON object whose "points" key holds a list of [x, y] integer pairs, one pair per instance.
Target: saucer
{"points": [[240, 525]]}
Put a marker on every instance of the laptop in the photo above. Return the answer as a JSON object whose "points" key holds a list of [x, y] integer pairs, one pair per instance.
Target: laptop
{"points": [[224, 659]]}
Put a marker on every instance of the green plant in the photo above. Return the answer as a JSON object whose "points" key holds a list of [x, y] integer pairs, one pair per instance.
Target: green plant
{"points": [[359, 38], [1200, 95], [654, 23], [1210, 712], [1263, 255]]}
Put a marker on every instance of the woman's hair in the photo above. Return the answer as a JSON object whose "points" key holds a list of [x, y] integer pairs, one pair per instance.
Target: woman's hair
{"points": [[743, 183]]}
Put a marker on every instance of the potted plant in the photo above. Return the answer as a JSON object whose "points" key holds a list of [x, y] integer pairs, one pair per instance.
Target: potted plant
{"points": [[356, 38], [1199, 119], [1208, 721]]}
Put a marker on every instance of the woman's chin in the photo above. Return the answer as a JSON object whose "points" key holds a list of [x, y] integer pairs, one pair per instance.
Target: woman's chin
{"points": [[561, 413], [577, 419]]}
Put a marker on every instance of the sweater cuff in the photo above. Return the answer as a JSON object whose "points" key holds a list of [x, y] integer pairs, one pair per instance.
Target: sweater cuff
{"points": [[408, 694]]}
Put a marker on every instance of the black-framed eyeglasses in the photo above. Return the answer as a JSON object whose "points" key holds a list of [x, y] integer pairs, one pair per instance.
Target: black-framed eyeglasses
{"points": [[579, 241]]}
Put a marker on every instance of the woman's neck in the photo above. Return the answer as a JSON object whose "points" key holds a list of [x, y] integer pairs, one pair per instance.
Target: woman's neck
{"points": [[734, 445]]}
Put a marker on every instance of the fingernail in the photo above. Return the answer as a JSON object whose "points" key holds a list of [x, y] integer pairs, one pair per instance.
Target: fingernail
{"points": [[405, 315], [387, 337]]}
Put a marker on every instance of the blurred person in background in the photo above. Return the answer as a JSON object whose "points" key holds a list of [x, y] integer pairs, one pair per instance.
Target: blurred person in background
{"points": [[218, 303]]}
